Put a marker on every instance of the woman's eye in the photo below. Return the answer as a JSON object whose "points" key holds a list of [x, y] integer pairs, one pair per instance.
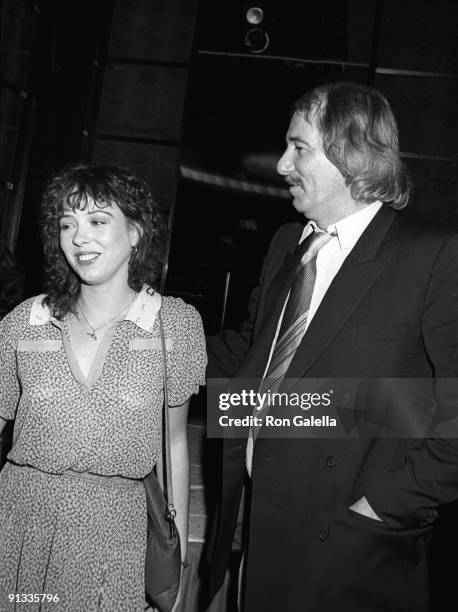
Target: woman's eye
{"points": [[64, 226], [97, 222]]}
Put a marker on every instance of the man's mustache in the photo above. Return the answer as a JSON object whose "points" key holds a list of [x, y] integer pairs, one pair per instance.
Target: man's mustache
{"points": [[293, 181]]}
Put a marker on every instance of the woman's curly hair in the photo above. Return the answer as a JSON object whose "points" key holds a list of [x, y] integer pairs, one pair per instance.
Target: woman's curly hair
{"points": [[105, 185]]}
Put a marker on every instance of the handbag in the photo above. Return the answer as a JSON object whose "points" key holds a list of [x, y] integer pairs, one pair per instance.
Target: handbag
{"points": [[163, 554]]}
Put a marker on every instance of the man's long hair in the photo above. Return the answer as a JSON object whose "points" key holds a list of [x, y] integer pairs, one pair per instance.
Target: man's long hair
{"points": [[105, 185], [360, 137]]}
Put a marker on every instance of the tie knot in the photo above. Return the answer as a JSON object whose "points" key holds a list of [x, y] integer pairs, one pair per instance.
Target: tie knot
{"points": [[313, 243], [319, 239]]}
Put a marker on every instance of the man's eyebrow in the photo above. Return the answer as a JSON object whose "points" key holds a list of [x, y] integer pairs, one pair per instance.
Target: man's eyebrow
{"points": [[293, 138]]}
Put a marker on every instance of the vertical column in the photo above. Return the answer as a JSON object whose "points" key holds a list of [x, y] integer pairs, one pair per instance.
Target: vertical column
{"points": [[139, 123]]}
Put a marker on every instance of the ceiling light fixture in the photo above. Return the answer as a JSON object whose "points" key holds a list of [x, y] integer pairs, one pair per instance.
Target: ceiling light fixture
{"points": [[254, 15]]}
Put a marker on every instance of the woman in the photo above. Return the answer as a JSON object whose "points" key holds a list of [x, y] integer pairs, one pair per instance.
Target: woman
{"points": [[80, 371]]}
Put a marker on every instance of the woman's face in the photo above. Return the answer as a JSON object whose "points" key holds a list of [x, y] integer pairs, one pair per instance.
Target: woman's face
{"points": [[97, 242]]}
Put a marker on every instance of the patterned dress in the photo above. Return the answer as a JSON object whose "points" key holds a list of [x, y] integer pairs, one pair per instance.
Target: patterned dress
{"points": [[72, 507]]}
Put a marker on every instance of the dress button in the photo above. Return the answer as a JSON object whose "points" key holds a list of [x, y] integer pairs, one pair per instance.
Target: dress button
{"points": [[331, 461], [323, 535]]}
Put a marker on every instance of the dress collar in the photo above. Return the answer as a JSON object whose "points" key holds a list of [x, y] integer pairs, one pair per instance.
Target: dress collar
{"points": [[143, 311]]}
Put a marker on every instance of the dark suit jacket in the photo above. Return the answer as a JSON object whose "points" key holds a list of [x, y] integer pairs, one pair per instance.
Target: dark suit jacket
{"points": [[391, 311]]}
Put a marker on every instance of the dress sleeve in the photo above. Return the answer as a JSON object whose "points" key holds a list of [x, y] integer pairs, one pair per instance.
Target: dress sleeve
{"points": [[186, 370], [9, 382]]}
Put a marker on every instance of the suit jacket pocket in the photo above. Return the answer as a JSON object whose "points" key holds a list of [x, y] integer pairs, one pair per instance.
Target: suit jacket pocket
{"points": [[374, 567]]}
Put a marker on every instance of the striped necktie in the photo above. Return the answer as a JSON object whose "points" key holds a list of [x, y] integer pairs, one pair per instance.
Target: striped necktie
{"points": [[295, 315]]}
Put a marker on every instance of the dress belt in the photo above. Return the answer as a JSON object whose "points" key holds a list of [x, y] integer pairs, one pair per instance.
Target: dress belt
{"points": [[101, 479]]}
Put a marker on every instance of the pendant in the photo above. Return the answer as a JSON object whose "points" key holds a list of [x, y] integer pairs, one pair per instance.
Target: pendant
{"points": [[92, 335]]}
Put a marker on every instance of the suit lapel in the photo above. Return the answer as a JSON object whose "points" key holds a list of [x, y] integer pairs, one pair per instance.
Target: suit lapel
{"points": [[356, 276]]}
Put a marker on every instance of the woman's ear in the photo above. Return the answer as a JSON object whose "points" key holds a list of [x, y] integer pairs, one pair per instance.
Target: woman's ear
{"points": [[135, 232]]}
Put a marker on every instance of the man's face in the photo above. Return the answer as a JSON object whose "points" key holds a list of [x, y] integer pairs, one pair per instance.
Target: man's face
{"points": [[318, 189]]}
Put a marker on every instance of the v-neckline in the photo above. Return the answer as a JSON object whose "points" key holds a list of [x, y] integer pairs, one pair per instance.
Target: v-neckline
{"points": [[98, 363]]}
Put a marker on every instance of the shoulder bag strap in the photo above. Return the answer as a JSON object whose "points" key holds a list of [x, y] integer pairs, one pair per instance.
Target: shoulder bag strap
{"points": [[167, 455]]}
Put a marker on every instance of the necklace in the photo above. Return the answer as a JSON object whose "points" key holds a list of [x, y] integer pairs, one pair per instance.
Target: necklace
{"points": [[93, 333]]}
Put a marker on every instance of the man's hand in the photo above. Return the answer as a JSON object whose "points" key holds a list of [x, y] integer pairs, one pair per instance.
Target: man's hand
{"points": [[363, 507]]}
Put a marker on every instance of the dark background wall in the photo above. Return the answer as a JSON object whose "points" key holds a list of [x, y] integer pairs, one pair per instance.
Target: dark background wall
{"points": [[196, 100], [102, 82], [237, 111]]}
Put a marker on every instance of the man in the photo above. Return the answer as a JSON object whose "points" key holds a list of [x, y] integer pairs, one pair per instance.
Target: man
{"points": [[342, 524]]}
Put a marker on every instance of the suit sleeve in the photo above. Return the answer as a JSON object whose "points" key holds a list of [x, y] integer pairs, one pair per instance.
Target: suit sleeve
{"points": [[409, 496], [227, 350]]}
